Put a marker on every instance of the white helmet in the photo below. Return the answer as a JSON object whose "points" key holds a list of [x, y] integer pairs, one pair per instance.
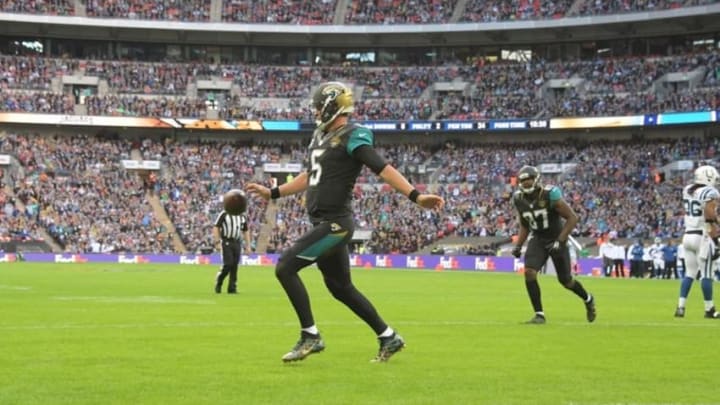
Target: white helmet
{"points": [[706, 175]]}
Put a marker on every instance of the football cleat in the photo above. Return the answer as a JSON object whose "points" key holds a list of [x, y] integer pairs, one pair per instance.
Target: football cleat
{"points": [[590, 309], [679, 312], [307, 345], [712, 313], [389, 346], [536, 320]]}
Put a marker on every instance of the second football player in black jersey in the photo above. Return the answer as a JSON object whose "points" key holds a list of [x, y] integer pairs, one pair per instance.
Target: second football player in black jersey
{"points": [[547, 220]]}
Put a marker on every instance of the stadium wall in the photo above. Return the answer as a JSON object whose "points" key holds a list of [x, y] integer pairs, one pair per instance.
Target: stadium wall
{"points": [[368, 262], [256, 131]]}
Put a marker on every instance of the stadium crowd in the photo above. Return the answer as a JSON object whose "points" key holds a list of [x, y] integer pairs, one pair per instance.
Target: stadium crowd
{"points": [[166, 10], [82, 197], [610, 185], [506, 89], [613, 187], [279, 12], [357, 12]]}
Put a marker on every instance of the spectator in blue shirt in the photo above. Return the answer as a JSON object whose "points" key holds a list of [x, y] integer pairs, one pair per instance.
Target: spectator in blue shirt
{"points": [[670, 254], [636, 259]]}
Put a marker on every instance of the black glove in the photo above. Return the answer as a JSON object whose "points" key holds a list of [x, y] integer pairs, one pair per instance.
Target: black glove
{"points": [[517, 251], [555, 246]]}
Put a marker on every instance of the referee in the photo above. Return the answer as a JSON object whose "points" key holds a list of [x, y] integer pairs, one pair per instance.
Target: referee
{"points": [[231, 233]]}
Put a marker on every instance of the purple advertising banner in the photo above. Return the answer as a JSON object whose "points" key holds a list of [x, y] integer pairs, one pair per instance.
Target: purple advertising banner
{"points": [[427, 262]]}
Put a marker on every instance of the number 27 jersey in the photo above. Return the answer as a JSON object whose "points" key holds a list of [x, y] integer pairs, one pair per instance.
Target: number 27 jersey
{"points": [[537, 213], [695, 196]]}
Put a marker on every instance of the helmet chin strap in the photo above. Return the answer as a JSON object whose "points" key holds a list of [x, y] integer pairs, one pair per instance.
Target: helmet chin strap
{"points": [[323, 125]]}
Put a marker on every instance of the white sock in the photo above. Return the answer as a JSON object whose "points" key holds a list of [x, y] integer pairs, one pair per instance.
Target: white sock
{"points": [[589, 298], [313, 330], [709, 305], [387, 333], [541, 313], [681, 302]]}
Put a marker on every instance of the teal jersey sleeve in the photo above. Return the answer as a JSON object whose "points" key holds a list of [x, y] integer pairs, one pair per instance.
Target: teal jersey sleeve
{"points": [[555, 194], [358, 137]]}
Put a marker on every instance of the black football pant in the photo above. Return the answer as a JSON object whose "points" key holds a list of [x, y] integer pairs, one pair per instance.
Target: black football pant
{"points": [[326, 245], [671, 269], [231, 259], [619, 268]]}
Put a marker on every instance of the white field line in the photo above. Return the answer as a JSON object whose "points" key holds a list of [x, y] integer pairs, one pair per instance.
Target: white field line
{"points": [[400, 323], [146, 299], [15, 287]]}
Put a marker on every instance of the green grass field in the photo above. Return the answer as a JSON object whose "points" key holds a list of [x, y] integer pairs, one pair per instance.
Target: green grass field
{"points": [[153, 334]]}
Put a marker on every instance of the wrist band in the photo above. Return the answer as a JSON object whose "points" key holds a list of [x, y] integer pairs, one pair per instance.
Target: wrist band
{"points": [[413, 196], [275, 193]]}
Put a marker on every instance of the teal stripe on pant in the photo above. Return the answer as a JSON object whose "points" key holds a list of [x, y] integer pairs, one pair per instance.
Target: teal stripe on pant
{"points": [[323, 245]]}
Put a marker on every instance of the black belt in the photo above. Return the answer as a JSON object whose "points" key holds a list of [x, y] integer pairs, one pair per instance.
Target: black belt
{"points": [[231, 240], [693, 232]]}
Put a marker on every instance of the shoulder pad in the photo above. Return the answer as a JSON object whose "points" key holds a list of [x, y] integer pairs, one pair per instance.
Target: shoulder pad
{"points": [[347, 129], [515, 198], [352, 127]]}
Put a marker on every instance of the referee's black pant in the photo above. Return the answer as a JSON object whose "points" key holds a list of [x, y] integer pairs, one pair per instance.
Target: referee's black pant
{"points": [[231, 259]]}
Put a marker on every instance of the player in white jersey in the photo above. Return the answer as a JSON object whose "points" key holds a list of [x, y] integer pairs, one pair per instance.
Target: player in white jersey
{"points": [[700, 241], [658, 261]]}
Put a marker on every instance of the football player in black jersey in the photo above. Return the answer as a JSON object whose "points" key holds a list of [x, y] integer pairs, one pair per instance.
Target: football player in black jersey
{"points": [[544, 215], [338, 151]]}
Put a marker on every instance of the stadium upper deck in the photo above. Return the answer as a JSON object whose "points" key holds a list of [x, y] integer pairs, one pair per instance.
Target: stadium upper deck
{"points": [[341, 11], [539, 89], [342, 22], [461, 60]]}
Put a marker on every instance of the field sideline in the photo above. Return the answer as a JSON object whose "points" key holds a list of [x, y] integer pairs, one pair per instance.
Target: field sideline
{"points": [[155, 334]]}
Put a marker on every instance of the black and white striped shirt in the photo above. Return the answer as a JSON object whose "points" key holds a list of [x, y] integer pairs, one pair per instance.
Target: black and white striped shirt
{"points": [[231, 226]]}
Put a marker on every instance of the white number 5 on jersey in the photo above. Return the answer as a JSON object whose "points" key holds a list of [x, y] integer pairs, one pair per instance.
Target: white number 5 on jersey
{"points": [[315, 166]]}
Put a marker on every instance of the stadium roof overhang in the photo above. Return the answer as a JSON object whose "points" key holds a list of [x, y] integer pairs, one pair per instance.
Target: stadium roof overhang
{"points": [[684, 21]]}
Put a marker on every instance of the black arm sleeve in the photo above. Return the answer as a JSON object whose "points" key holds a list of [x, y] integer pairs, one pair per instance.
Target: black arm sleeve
{"points": [[370, 158]]}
